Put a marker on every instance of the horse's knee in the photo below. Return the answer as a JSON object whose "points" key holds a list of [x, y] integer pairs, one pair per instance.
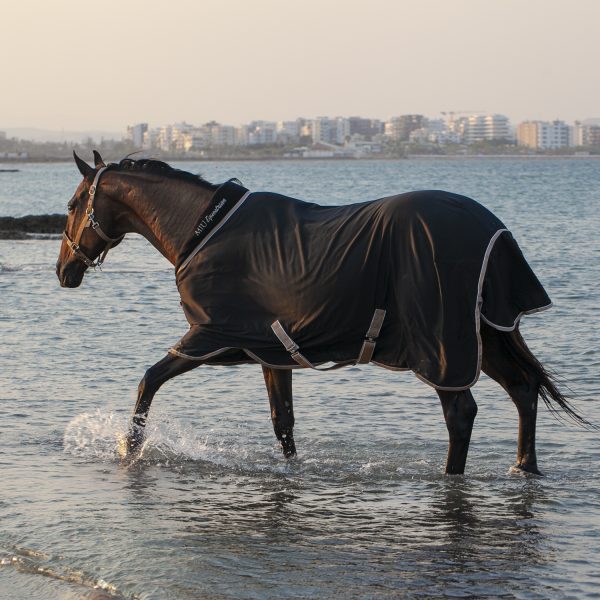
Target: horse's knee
{"points": [[149, 383]]}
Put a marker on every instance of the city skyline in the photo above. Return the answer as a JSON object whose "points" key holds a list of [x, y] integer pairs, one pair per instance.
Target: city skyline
{"points": [[234, 62], [53, 135]]}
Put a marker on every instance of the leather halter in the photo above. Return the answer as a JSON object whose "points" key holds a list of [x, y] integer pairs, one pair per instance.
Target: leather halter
{"points": [[90, 221]]}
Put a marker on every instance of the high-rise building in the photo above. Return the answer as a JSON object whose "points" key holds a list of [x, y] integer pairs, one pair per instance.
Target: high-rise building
{"points": [[367, 128], [322, 130], [135, 133], [400, 128]]}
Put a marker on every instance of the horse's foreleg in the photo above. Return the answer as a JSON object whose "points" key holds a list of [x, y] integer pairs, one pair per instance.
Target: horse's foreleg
{"points": [[459, 411], [279, 388], [167, 368]]}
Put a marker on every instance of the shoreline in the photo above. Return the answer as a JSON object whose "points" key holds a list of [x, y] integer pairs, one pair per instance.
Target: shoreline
{"points": [[51, 160]]}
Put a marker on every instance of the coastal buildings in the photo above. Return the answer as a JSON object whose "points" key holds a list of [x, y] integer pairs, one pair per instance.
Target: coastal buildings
{"points": [[359, 136], [587, 134], [544, 135]]}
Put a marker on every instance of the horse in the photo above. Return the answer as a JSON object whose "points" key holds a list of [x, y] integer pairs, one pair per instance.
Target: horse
{"points": [[427, 281]]}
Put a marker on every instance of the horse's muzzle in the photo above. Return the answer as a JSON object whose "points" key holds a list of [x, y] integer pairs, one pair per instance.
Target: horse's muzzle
{"points": [[70, 274]]}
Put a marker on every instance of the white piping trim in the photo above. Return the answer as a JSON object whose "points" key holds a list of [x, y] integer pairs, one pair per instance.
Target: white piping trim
{"points": [[341, 363], [514, 325], [266, 364], [213, 231], [251, 355], [203, 357]]}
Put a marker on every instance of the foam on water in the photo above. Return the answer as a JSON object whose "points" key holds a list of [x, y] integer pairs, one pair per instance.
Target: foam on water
{"points": [[25, 561]]}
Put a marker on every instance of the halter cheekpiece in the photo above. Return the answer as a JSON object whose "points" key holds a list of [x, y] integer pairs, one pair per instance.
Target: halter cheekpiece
{"points": [[90, 221]]}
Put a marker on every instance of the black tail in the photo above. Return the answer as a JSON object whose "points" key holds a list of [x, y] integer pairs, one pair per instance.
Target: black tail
{"points": [[548, 391]]}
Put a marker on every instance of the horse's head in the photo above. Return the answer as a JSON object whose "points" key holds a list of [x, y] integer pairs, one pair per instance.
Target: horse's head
{"points": [[91, 229]]}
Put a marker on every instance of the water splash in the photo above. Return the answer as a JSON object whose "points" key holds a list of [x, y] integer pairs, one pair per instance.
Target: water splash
{"points": [[170, 442], [95, 435], [98, 436]]}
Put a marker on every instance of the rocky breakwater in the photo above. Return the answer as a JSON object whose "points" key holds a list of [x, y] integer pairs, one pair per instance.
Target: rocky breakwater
{"points": [[31, 226]]}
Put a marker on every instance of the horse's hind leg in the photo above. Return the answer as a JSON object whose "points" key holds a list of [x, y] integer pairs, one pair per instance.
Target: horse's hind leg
{"points": [[459, 411], [522, 385], [279, 388], [167, 368]]}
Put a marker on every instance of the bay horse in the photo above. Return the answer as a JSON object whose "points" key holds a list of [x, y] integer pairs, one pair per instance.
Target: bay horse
{"points": [[429, 281]]}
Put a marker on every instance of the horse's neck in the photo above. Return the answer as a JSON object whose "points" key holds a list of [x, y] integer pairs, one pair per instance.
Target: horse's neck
{"points": [[165, 212]]}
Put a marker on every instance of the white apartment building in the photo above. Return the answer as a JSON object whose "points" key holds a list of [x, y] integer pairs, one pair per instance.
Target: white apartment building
{"points": [[262, 132], [544, 135], [328, 130], [164, 138], [435, 131], [586, 133], [478, 128], [290, 131], [216, 134], [321, 130]]}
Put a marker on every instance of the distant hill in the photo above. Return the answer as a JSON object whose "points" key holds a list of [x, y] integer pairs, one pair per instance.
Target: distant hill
{"points": [[47, 135]]}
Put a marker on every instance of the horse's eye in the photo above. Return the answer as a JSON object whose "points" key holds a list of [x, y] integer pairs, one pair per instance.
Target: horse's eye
{"points": [[70, 207]]}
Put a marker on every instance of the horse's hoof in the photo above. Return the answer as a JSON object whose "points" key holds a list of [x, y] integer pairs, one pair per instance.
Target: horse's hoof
{"points": [[528, 469], [288, 446], [129, 447]]}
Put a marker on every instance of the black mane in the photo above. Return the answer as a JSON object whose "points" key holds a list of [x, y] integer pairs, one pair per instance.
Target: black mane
{"points": [[158, 167]]}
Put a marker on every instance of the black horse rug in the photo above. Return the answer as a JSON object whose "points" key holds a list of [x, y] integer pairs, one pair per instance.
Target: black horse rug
{"points": [[402, 282]]}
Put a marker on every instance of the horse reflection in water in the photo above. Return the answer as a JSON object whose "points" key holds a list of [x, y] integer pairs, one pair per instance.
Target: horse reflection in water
{"points": [[428, 281]]}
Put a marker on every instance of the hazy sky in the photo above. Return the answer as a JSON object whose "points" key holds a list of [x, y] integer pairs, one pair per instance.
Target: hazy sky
{"points": [[74, 64]]}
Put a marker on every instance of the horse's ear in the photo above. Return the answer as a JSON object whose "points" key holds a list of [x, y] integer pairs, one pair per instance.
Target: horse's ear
{"points": [[98, 160], [83, 167]]}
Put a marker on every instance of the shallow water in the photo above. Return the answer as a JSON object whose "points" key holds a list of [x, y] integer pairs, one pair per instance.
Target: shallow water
{"points": [[211, 509]]}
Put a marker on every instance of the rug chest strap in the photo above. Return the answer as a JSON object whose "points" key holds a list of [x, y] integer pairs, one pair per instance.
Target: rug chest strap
{"points": [[366, 352], [368, 347]]}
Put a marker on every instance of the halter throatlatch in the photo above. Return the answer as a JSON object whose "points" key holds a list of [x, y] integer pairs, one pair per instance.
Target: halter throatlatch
{"points": [[90, 221]]}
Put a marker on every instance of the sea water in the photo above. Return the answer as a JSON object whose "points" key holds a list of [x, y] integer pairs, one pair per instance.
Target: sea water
{"points": [[212, 509]]}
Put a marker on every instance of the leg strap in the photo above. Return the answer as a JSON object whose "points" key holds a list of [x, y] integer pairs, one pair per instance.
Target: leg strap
{"points": [[366, 352], [294, 349], [368, 347]]}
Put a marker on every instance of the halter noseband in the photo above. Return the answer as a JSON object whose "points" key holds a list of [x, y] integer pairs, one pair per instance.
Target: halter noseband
{"points": [[90, 221]]}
